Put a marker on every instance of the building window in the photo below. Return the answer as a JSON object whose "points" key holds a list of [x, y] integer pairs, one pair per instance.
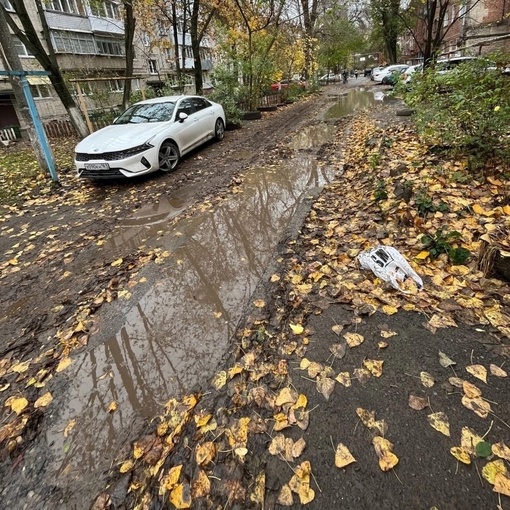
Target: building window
{"points": [[40, 91], [116, 85], [109, 46], [187, 52], [7, 5], [105, 9], [73, 42], [153, 67], [145, 39], [21, 49], [69, 6]]}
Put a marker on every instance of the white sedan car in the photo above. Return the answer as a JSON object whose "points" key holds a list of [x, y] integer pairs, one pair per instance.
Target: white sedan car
{"points": [[150, 135], [385, 71]]}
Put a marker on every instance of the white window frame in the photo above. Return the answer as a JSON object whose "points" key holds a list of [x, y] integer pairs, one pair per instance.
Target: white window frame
{"points": [[67, 6], [110, 46], [106, 9], [21, 49], [37, 92], [78, 43]]}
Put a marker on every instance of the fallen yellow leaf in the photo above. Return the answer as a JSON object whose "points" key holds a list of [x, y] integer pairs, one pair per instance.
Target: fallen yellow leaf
{"points": [[439, 421], [422, 255], [117, 262], [343, 456], [205, 453], [353, 339], [286, 396], [502, 484], [461, 454], [478, 371], [17, 404], [180, 496], [478, 405], [478, 209], [491, 469], [201, 485], [344, 378], [469, 439], [366, 417], [501, 450], [112, 407], [44, 400], [374, 366], [170, 480], [497, 371], [426, 379], [389, 310], [259, 303], [219, 380], [297, 329], [126, 466], [285, 497], [383, 449], [63, 364], [470, 390]]}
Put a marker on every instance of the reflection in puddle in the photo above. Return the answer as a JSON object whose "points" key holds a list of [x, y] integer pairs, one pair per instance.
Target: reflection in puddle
{"points": [[313, 136], [173, 335], [355, 100], [146, 222]]}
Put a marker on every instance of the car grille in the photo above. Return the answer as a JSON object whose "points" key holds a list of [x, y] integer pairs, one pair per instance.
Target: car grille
{"points": [[106, 156], [112, 173]]}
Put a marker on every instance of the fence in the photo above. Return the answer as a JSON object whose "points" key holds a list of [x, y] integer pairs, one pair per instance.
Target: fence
{"points": [[9, 134]]}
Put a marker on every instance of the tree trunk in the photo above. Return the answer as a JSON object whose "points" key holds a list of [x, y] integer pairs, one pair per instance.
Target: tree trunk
{"points": [[13, 62], [176, 42], [195, 47], [129, 33], [47, 59]]}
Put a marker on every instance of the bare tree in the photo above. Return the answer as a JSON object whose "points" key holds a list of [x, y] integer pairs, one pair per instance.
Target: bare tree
{"points": [[46, 57], [129, 33], [430, 21]]}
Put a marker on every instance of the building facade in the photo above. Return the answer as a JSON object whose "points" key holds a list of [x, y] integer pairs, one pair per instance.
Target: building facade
{"points": [[88, 39]]}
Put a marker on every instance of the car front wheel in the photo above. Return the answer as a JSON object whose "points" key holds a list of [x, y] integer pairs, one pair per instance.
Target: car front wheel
{"points": [[168, 156], [219, 130]]}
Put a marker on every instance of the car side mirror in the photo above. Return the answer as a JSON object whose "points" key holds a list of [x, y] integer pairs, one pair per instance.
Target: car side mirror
{"points": [[182, 116]]}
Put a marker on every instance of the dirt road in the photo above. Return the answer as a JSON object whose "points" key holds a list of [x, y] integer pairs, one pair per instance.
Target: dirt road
{"points": [[60, 267]]}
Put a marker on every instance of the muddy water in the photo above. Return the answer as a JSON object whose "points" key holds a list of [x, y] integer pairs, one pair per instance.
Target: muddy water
{"points": [[173, 331], [354, 100]]}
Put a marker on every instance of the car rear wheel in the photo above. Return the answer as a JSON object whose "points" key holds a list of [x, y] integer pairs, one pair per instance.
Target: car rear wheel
{"points": [[219, 130], [168, 156]]}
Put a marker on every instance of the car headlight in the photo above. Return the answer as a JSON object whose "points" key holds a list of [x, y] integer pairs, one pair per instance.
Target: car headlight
{"points": [[136, 150]]}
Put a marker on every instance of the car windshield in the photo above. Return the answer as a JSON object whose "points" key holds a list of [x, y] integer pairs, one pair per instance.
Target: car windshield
{"points": [[152, 112]]}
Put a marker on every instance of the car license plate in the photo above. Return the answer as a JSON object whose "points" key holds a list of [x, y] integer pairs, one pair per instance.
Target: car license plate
{"points": [[97, 166]]}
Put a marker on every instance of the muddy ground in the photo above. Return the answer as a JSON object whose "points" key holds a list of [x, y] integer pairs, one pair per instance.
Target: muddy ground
{"points": [[48, 302]]}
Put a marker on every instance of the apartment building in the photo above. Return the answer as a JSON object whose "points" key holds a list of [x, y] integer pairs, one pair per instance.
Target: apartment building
{"points": [[88, 39], [475, 27]]}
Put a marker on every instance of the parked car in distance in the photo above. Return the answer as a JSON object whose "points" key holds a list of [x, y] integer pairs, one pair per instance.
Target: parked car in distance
{"points": [[379, 75], [391, 78], [330, 78], [407, 75], [150, 135], [375, 70]]}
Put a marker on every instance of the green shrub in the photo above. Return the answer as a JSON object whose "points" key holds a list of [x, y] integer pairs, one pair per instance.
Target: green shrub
{"points": [[442, 241], [466, 109]]}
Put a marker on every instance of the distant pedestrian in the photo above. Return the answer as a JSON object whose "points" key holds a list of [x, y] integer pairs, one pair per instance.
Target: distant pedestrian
{"points": [[356, 73], [345, 75]]}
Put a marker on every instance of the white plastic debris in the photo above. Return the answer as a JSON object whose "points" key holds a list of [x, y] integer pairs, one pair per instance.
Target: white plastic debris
{"points": [[389, 265]]}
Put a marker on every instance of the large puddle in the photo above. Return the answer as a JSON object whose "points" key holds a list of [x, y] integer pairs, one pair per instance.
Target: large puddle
{"points": [[176, 327], [173, 333], [352, 101]]}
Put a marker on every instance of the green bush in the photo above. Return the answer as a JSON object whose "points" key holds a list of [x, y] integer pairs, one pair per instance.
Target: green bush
{"points": [[226, 92], [466, 109]]}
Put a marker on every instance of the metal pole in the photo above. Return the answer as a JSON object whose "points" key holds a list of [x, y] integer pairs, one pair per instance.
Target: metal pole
{"points": [[39, 129]]}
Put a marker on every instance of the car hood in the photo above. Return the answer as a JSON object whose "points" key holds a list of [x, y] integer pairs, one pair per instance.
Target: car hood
{"points": [[119, 137]]}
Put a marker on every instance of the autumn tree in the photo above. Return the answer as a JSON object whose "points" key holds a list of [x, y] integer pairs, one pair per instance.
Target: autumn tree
{"points": [[24, 29], [339, 39]]}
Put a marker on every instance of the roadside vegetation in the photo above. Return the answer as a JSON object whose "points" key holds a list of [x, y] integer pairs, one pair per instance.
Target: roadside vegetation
{"points": [[465, 111]]}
